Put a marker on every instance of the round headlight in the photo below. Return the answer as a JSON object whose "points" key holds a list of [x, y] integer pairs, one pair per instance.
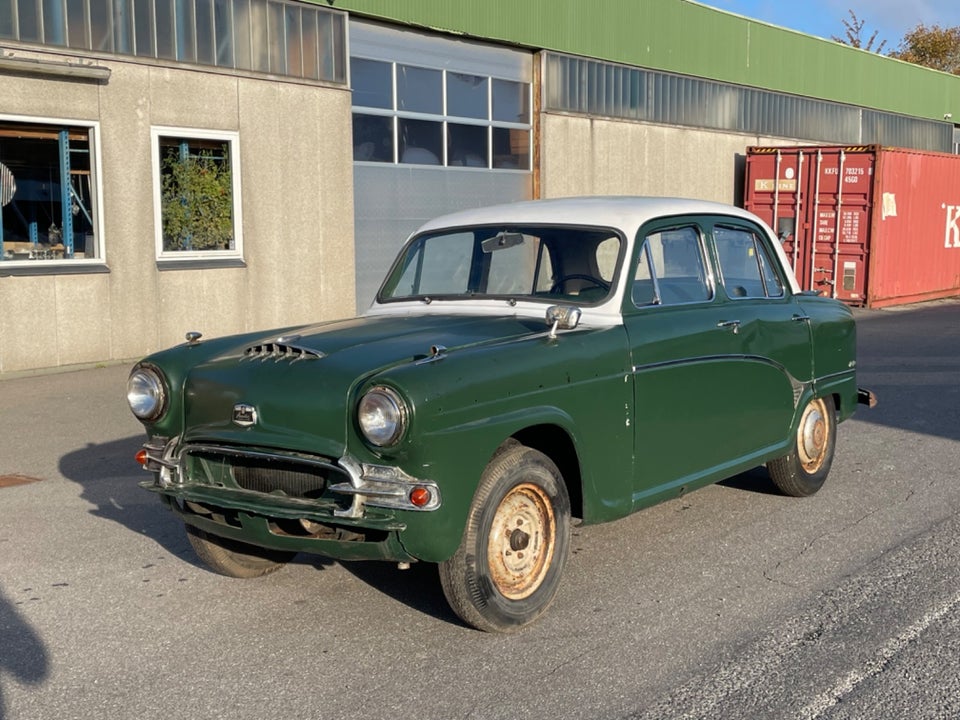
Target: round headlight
{"points": [[382, 416], [145, 393]]}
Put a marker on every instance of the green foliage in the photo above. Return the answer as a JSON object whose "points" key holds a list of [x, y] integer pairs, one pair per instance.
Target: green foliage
{"points": [[933, 47], [197, 201]]}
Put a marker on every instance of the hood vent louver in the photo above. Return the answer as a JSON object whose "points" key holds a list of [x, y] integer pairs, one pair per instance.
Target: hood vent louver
{"points": [[283, 349]]}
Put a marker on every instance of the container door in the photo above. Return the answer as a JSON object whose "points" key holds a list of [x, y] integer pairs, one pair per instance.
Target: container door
{"points": [[841, 201], [811, 196]]}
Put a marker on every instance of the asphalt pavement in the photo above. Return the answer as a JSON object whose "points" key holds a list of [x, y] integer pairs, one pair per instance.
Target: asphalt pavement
{"points": [[731, 602]]}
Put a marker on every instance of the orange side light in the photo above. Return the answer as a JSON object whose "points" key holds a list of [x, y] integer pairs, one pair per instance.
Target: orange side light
{"points": [[420, 496], [141, 457]]}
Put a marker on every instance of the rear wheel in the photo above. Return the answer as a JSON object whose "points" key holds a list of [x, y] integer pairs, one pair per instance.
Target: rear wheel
{"points": [[803, 471], [235, 559], [508, 566]]}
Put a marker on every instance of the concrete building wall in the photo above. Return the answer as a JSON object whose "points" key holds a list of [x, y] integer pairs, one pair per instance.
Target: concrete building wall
{"points": [[296, 175], [595, 156]]}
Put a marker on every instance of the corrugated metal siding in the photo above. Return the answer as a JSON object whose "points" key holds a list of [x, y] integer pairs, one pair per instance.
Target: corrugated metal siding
{"points": [[685, 37]]}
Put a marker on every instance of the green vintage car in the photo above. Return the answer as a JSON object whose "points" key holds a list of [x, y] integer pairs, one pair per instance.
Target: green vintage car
{"points": [[522, 365]]}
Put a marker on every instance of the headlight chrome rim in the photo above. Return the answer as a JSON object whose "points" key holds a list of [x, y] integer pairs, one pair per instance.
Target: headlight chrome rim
{"points": [[382, 416], [146, 393]]}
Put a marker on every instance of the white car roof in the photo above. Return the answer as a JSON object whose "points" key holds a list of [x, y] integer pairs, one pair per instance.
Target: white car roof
{"points": [[625, 212]]}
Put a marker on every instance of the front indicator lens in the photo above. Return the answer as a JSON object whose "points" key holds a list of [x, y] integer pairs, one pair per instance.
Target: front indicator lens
{"points": [[382, 416], [146, 393]]}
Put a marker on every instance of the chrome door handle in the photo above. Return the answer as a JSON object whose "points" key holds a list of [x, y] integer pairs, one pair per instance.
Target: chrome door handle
{"points": [[732, 324], [800, 318]]}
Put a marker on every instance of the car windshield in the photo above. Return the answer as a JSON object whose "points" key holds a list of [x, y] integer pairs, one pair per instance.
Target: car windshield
{"points": [[571, 264]]}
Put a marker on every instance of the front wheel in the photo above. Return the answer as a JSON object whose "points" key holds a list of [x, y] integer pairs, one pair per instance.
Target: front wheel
{"points": [[235, 559], [803, 471], [508, 566]]}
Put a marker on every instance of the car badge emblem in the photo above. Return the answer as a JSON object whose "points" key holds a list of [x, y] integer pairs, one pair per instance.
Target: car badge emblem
{"points": [[244, 415]]}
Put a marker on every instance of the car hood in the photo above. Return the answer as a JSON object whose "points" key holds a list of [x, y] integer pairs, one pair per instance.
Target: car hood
{"points": [[300, 382]]}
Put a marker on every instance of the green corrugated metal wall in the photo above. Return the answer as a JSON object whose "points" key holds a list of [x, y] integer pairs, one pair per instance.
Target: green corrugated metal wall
{"points": [[686, 37]]}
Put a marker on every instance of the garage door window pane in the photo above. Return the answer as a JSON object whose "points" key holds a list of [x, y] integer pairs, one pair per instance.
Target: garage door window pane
{"points": [[421, 142], [467, 145], [419, 90], [372, 138]]}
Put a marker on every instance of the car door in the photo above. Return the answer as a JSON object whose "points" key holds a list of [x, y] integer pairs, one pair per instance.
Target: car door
{"points": [[685, 382], [772, 329]]}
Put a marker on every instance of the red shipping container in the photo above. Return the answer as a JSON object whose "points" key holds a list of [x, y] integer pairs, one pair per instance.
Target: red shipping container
{"points": [[868, 225]]}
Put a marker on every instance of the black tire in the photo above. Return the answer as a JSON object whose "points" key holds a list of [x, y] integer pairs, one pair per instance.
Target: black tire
{"points": [[803, 471], [502, 577], [235, 559]]}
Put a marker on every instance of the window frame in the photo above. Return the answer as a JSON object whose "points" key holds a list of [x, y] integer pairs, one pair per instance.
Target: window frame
{"points": [[64, 265], [178, 257], [489, 124]]}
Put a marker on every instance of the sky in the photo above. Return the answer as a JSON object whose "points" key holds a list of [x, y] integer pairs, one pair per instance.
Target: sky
{"points": [[824, 18]]}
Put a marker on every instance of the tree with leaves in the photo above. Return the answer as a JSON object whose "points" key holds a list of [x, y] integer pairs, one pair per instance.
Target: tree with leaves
{"points": [[933, 47], [853, 35], [197, 202]]}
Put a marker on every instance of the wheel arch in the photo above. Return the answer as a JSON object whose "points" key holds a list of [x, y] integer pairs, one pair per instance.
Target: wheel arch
{"points": [[554, 442]]}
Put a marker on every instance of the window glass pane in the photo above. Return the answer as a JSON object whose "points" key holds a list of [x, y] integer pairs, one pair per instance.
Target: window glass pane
{"points": [[467, 145], [679, 266], [421, 141], [275, 38], [372, 138], [419, 90], [37, 224], [739, 266], [436, 266], [259, 34], [7, 29], [54, 23], [511, 148], [186, 32], [511, 101], [294, 50], [206, 54], [467, 95], [165, 34], [196, 195], [513, 269], [101, 25], [241, 34], [372, 83], [333, 35], [311, 45], [143, 28], [29, 21], [76, 25], [771, 280], [223, 31]]}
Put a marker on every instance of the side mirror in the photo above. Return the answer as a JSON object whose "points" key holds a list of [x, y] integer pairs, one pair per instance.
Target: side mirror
{"points": [[562, 317]]}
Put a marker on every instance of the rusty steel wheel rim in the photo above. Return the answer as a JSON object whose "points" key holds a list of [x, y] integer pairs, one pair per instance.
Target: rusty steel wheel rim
{"points": [[520, 548], [812, 437]]}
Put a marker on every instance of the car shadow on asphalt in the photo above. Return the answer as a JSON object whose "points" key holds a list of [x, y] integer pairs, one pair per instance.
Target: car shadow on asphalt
{"points": [[109, 477], [417, 587], [756, 480]]}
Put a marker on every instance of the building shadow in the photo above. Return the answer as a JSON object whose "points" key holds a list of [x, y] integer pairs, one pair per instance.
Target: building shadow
{"points": [[23, 655]]}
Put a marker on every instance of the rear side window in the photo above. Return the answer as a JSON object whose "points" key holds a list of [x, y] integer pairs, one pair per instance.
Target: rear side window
{"points": [[671, 269], [746, 269]]}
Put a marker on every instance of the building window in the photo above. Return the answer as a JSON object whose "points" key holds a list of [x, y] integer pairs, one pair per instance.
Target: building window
{"points": [[49, 191], [425, 116], [197, 194], [275, 36]]}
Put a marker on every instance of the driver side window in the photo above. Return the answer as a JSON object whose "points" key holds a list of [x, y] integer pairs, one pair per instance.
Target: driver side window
{"points": [[671, 269]]}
